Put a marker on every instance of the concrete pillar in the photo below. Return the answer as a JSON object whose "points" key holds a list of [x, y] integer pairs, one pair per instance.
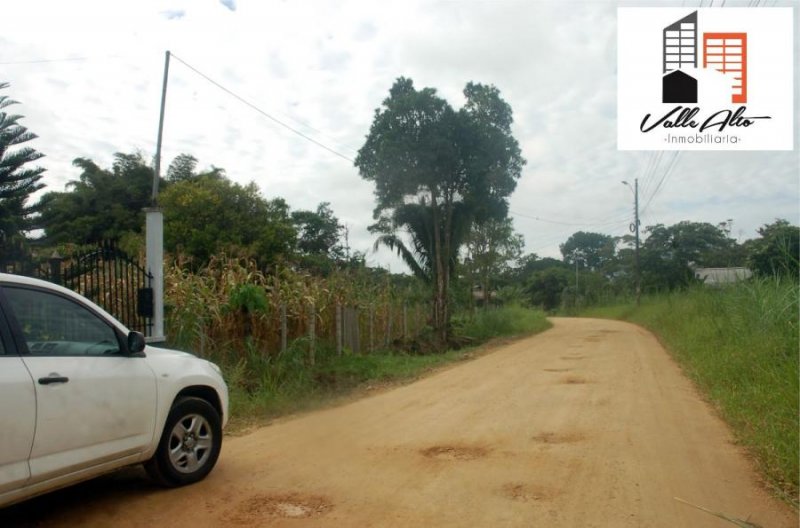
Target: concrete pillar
{"points": [[154, 232]]}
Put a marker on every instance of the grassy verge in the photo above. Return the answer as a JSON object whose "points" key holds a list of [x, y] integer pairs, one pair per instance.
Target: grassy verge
{"points": [[264, 387], [740, 347]]}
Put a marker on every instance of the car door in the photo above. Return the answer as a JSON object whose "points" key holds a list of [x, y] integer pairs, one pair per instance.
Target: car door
{"points": [[95, 404], [17, 414]]}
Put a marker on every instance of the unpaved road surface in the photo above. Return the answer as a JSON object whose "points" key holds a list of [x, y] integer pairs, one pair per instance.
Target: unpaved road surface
{"points": [[589, 424]]}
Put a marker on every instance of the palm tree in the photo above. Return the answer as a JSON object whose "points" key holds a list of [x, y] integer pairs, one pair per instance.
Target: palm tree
{"points": [[17, 182], [417, 221]]}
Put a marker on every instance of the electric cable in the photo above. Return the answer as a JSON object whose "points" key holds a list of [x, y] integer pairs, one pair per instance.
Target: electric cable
{"points": [[260, 111]]}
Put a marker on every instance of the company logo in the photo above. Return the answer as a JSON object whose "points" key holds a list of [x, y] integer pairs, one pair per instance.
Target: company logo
{"points": [[725, 52], [684, 84]]}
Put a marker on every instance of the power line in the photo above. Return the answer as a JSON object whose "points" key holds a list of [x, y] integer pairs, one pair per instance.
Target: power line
{"points": [[650, 171], [557, 222], [561, 236], [260, 111], [664, 178]]}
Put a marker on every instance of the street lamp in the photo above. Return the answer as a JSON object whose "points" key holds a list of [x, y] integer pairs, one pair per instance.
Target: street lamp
{"points": [[635, 229]]}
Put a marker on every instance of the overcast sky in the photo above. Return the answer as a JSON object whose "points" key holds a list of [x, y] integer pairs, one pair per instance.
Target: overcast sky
{"points": [[89, 73]]}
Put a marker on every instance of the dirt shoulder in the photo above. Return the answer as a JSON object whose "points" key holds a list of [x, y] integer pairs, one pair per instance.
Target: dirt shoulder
{"points": [[587, 424]]}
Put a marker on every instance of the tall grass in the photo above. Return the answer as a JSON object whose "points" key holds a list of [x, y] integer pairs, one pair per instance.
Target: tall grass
{"points": [[496, 322], [740, 346], [231, 301]]}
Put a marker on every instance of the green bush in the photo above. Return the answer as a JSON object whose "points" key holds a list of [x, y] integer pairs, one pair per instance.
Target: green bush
{"points": [[492, 322]]}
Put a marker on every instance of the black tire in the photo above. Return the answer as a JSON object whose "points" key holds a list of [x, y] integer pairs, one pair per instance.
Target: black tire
{"points": [[190, 444]]}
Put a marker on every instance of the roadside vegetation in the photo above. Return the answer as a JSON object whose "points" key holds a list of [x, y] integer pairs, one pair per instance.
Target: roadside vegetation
{"points": [[739, 344], [264, 387], [266, 380]]}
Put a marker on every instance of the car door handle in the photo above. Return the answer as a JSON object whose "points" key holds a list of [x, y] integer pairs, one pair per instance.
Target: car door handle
{"points": [[53, 378]]}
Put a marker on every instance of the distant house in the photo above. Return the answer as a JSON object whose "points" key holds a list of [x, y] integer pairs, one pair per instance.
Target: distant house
{"points": [[720, 276], [479, 296]]}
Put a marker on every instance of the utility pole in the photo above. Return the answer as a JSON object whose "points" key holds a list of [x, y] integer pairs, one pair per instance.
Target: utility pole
{"points": [[157, 174], [154, 227], [635, 229], [636, 223]]}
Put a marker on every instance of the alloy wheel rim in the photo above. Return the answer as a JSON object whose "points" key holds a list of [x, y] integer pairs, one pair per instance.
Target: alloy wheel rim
{"points": [[190, 443]]}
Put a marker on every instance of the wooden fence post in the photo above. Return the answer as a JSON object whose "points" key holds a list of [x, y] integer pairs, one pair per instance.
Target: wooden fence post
{"points": [[405, 323], [312, 321], [339, 330], [388, 325], [371, 329], [283, 327]]}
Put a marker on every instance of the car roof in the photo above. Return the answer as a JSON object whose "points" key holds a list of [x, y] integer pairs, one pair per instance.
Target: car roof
{"points": [[9, 279]]}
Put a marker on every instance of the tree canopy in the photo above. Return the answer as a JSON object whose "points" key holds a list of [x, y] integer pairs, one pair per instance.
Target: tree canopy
{"points": [[669, 253], [101, 204], [319, 231], [777, 250], [591, 250], [211, 214]]}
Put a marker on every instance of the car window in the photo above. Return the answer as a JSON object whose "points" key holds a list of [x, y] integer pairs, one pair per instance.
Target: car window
{"points": [[56, 326]]}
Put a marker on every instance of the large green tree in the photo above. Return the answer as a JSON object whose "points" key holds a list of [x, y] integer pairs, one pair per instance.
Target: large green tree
{"points": [[18, 179], [101, 204], [461, 166], [669, 253], [209, 214], [591, 250], [319, 232], [319, 248], [777, 251], [544, 287]]}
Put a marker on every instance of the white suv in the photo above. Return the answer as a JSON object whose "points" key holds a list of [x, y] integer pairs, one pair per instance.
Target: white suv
{"points": [[80, 395]]}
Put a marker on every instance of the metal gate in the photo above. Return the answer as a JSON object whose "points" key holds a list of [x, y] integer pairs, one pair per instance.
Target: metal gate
{"points": [[106, 275]]}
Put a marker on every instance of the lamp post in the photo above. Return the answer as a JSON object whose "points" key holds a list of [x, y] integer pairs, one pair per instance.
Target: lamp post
{"points": [[635, 228]]}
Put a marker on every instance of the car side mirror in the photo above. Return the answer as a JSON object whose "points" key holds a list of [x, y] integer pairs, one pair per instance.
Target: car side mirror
{"points": [[136, 343]]}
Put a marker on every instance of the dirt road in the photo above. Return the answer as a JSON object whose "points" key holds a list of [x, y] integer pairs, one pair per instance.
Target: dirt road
{"points": [[587, 425]]}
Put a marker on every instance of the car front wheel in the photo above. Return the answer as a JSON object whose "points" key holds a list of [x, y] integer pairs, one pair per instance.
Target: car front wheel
{"points": [[189, 445]]}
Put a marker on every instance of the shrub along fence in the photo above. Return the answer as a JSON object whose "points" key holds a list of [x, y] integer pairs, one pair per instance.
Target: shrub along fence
{"points": [[230, 307]]}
